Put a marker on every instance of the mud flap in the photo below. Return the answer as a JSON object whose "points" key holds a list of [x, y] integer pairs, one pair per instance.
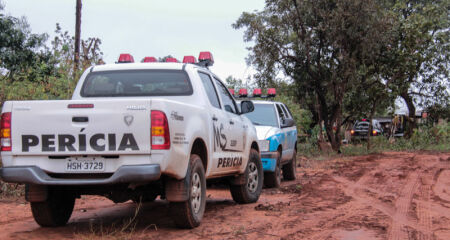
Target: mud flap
{"points": [[176, 190], [238, 180], [36, 193]]}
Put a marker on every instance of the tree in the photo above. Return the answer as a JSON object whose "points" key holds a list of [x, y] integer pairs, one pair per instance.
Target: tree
{"points": [[234, 83], [64, 51], [324, 46], [76, 58], [419, 55], [21, 50]]}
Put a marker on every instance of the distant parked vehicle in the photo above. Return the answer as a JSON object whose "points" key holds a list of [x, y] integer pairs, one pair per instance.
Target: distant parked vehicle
{"points": [[361, 128], [277, 139]]}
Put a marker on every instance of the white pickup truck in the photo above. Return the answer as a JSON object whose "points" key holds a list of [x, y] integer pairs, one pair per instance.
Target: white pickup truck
{"points": [[132, 131]]}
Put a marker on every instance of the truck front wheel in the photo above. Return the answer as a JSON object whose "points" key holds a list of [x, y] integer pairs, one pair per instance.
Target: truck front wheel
{"points": [[189, 214], [55, 211], [273, 179], [290, 169], [250, 191]]}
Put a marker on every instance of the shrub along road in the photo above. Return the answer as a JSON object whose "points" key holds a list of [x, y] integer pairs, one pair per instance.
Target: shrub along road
{"points": [[396, 195]]}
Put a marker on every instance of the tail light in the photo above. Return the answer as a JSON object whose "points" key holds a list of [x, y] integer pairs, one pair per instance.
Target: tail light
{"points": [[374, 133], [88, 105], [5, 132], [160, 138]]}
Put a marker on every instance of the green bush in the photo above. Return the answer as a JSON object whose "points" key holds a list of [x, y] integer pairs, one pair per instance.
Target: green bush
{"points": [[435, 138]]}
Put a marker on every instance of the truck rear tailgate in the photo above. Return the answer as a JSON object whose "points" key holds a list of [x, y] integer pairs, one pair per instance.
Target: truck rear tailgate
{"points": [[81, 127]]}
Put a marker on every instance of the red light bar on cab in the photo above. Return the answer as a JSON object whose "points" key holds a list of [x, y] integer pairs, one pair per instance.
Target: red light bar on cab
{"points": [[257, 92], [149, 59], [243, 92], [89, 105], [271, 92], [231, 91], [206, 59], [126, 58], [189, 59], [169, 59]]}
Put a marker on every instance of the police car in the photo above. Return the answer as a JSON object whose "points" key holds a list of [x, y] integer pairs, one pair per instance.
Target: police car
{"points": [[277, 138], [133, 131]]}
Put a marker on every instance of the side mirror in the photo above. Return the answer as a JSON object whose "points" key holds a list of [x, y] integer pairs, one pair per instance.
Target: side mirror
{"points": [[247, 106], [288, 122]]}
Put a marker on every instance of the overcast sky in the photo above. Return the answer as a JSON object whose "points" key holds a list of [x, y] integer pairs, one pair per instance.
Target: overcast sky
{"points": [[150, 27]]}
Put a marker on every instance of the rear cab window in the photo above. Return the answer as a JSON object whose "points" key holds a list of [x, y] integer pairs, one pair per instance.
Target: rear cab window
{"points": [[131, 83]]}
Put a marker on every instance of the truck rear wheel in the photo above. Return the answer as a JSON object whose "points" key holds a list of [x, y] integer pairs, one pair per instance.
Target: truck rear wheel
{"points": [[290, 169], [251, 190], [55, 211], [273, 179], [189, 214]]}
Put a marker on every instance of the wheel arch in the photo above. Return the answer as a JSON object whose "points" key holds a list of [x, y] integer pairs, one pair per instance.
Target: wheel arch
{"points": [[255, 146], [199, 148]]}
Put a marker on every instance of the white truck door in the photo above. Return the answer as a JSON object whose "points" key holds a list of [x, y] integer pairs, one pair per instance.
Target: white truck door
{"points": [[233, 151], [218, 140]]}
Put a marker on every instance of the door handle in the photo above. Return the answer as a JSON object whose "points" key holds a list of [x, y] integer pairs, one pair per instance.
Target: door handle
{"points": [[80, 119], [231, 122], [214, 118]]}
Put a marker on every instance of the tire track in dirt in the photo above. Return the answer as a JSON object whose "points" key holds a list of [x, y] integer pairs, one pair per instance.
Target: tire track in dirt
{"points": [[423, 209], [357, 192], [423, 213], [402, 206]]}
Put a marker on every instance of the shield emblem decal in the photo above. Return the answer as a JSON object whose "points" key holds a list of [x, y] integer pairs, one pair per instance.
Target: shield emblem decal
{"points": [[128, 120]]}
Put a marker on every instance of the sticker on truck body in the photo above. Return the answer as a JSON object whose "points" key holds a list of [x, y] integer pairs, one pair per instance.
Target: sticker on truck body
{"points": [[78, 143]]}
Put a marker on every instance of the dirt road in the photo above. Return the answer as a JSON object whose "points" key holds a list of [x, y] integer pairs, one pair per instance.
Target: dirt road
{"points": [[385, 196]]}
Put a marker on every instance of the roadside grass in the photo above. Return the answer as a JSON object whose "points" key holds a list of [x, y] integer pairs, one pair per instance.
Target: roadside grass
{"points": [[125, 230], [434, 138]]}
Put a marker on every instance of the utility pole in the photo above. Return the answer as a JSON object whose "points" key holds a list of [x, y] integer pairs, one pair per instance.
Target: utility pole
{"points": [[76, 59]]}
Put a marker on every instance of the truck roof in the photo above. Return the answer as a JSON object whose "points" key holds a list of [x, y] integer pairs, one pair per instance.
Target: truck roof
{"points": [[143, 66], [260, 101]]}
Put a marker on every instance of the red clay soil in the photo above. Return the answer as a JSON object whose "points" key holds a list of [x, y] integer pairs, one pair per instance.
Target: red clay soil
{"points": [[398, 195]]}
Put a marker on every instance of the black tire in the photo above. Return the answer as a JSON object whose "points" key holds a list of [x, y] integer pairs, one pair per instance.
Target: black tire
{"points": [[251, 190], [273, 179], [189, 214], [55, 211], [290, 169]]}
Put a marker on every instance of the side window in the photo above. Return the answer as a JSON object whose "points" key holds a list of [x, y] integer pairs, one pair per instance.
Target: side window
{"points": [[228, 102], [281, 113], [210, 90], [286, 111]]}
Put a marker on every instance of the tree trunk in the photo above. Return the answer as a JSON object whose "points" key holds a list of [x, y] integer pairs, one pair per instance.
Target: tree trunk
{"points": [[411, 115], [76, 59], [372, 112]]}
